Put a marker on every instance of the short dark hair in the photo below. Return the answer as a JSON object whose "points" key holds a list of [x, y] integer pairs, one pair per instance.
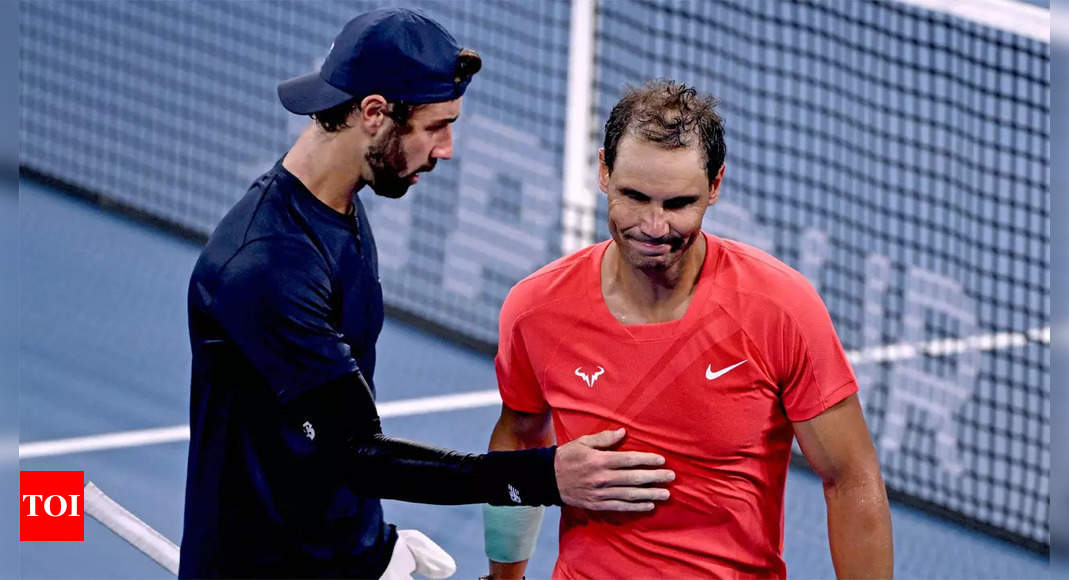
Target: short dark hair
{"points": [[670, 114], [336, 118]]}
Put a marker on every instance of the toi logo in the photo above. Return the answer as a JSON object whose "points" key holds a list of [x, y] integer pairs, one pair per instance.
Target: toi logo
{"points": [[52, 506]]}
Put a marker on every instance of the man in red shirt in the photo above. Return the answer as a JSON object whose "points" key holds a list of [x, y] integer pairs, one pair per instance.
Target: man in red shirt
{"points": [[711, 353]]}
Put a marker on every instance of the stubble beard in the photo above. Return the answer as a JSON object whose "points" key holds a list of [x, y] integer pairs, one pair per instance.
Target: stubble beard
{"points": [[387, 161]]}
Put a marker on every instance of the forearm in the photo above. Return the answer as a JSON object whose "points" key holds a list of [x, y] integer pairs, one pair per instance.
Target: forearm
{"points": [[522, 432], [393, 468], [859, 528], [341, 418], [507, 570]]}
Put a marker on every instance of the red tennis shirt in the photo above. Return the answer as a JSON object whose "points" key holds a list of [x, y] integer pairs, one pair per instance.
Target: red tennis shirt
{"points": [[714, 393]]}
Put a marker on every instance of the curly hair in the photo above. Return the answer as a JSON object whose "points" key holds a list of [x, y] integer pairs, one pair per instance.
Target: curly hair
{"points": [[670, 114]]}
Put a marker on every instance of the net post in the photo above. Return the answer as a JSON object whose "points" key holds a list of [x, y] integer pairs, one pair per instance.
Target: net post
{"points": [[579, 199]]}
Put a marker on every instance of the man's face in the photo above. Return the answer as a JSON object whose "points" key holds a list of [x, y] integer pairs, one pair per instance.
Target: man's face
{"points": [[657, 199], [399, 154]]}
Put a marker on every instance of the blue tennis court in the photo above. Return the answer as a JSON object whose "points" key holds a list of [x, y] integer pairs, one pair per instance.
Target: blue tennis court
{"points": [[104, 350]]}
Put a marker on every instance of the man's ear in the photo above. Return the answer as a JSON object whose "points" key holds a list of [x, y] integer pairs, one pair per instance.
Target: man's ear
{"points": [[603, 171], [714, 188], [372, 113]]}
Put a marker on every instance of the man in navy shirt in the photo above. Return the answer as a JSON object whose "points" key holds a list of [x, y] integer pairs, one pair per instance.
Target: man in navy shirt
{"points": [[287, 459]]}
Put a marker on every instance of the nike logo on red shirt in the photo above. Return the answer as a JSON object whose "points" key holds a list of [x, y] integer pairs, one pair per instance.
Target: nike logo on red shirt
{"points": [[709, 374]]}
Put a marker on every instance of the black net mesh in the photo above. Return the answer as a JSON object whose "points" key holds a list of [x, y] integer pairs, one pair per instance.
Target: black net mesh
{"points": [[897, 157]]}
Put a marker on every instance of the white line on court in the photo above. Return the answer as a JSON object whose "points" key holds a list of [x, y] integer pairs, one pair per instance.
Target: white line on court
{"points": [[947, 346], [140, 437], [490, 397], [106, 441]]}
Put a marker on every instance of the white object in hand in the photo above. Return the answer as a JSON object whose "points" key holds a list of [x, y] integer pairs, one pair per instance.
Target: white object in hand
{"points": [[415, 553]]}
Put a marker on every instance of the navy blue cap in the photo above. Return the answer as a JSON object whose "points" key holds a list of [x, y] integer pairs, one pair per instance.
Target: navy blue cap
{"points": [[398, 53]]}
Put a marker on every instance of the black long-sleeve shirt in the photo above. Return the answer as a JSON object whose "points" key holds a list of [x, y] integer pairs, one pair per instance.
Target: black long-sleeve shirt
{"points": [[286, 459]]}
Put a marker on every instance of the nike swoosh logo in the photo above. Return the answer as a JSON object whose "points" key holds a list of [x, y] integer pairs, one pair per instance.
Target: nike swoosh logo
{"points": [[709, 374]]}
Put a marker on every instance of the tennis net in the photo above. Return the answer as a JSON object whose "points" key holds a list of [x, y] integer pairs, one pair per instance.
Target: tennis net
{"points": [[897, 156]]}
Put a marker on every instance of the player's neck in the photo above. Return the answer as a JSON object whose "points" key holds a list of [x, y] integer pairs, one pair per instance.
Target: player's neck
{"points": [[639, 296], [323, 162]]}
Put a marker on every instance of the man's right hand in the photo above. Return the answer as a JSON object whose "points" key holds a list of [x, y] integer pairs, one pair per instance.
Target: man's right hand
{"points": [[593, 479]]}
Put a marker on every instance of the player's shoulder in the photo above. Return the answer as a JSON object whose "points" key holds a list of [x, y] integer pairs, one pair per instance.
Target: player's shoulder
{"points": [[760, 276], [262, 225], [266, 270], [559, 281], [268, 262]]}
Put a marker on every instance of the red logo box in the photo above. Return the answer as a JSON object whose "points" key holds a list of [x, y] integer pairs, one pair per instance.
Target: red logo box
{"points": [[53, 506]]}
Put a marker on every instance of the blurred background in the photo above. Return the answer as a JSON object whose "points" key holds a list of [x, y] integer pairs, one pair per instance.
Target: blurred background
{"points": [[896, 154]]}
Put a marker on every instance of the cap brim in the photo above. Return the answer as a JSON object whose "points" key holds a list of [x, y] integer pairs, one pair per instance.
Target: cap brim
{"points": [[308, 94]]}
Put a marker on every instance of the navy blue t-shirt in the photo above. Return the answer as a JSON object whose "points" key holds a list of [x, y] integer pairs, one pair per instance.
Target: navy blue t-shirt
{"points": [[284, 298]]}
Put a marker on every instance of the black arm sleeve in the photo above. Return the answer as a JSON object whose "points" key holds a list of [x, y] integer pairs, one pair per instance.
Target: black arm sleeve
{"points": [[340, 417]]}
